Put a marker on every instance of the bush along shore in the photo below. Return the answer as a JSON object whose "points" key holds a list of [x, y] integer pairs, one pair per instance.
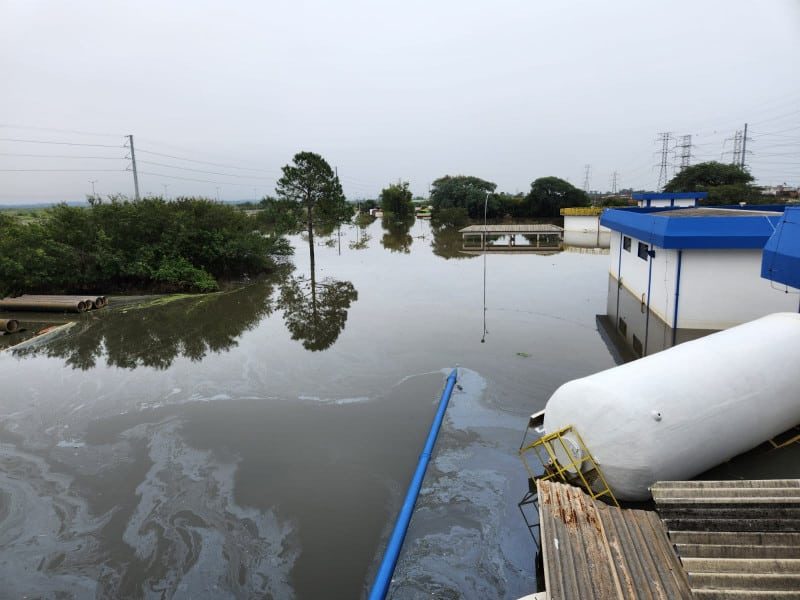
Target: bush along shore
{"points": [[189, 244]]}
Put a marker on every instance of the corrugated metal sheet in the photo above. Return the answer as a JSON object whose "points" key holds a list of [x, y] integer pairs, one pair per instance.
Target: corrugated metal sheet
{"points": [[592, 550], [736, 539]]}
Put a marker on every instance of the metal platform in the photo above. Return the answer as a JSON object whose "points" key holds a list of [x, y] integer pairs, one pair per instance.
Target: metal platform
{"points": [[541, 237]]}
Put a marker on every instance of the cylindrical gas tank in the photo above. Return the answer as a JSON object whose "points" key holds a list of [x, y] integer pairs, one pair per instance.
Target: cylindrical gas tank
{"points": [[675, 414]]}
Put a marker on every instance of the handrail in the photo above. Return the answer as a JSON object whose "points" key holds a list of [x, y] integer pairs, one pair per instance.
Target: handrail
{"points": [[383, 579]]}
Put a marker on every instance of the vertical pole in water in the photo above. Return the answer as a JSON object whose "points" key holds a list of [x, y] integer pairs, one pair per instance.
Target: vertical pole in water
{"points": [[383, 579]]}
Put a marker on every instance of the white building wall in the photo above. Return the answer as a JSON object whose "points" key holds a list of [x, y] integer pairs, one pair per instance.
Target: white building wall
{"points": [[718, 288], [583, 223], [678, 203], [723, 288]]}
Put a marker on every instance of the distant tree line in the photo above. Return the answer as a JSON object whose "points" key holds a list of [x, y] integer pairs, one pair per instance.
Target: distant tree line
{"points": [[457, 199]]}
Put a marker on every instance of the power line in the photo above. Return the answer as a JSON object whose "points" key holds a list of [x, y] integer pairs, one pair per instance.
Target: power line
{"points": [[204, 162], [75, 131], [62, 156], [193, 179], [58, 143], [62, 170], [150, 162]]}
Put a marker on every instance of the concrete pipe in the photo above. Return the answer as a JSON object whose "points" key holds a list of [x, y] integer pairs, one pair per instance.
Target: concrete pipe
{"points": [[31, 304], [9, 325], [90, 301]]}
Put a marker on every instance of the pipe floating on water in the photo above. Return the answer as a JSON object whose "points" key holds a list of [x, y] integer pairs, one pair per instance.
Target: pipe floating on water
{"points": [[30, 304], [9, 325], [384, 577]]}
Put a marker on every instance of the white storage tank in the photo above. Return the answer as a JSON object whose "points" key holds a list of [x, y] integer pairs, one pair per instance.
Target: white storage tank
{"points": [[675, 414]]}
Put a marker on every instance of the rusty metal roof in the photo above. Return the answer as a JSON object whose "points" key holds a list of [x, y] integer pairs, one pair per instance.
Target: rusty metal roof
{"points": [[736, 539], [592, 550]]}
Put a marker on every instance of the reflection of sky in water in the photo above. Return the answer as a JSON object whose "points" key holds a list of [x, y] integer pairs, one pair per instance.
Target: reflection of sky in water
{"points": [[196, 449]]}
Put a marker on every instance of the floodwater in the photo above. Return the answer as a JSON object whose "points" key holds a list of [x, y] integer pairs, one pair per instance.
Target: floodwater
{"points": [[258, 442]]}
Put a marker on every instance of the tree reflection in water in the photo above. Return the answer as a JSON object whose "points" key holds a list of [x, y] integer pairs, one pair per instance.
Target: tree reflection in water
{"points": [[362, 221], [397, 237], [154, 335], [448, 243], [315, 312]]}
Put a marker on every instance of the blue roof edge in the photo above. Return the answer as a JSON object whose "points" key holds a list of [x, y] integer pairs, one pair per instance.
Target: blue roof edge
{"points": [[698, 232], [780, 261]]}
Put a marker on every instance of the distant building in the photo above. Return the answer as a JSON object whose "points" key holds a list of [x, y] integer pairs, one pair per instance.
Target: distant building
{"points": [[676, 274], [583, 219], [669, 200], [781, 191]]}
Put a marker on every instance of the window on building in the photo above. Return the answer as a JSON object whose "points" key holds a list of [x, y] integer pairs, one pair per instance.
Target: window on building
{"points": [[626, 243], [643, 251], [637, 345], [623, 327]]}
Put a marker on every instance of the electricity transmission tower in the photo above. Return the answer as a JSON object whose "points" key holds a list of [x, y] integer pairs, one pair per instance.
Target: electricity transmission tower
{"points": [[685, 148], [587, 169], [737, 148], [744, 148], [614, 182], [665, 138]]}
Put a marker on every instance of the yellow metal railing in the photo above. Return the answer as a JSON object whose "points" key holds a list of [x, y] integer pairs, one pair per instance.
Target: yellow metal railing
{"points": [[559, 461], [581, 211]]}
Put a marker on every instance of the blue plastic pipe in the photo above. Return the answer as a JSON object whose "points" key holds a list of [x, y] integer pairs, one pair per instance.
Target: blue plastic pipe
{"points": [[384, 577]]}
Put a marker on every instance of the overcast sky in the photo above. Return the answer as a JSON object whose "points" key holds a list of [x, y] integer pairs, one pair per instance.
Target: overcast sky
{"points": [[504, 90]]}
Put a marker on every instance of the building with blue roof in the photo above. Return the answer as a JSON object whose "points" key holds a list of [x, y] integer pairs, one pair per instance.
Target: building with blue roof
{"points": [[669, 199], [677, 273]]}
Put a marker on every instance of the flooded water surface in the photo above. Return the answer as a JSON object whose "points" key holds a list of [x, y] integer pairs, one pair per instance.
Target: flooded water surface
{"points": [[258, 442]]}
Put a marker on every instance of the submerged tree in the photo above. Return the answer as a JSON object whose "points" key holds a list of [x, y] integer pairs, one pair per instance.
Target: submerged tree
{"points": [[549, 195], [460, 196], [397, 200], [310, 182]]}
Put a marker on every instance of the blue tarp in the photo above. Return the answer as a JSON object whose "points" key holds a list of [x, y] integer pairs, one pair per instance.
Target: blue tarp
{"points": [[780, 261]]}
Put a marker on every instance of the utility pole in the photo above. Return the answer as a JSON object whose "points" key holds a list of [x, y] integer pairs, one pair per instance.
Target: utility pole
{"points": [[587, 169], [665, 137], [744, 147], [614, 182], [133, 165], [685, 148], [93, 181]]}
